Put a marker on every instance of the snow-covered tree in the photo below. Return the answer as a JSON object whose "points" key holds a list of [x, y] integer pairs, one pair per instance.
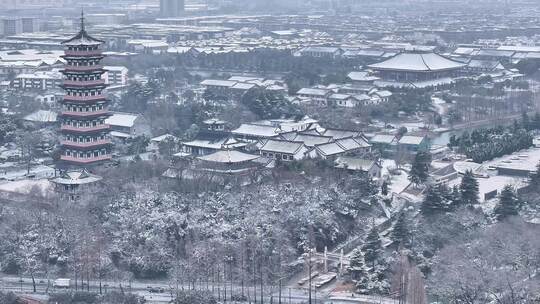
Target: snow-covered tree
{"points": [[469, 189], [372, 248], [508, 203], [359, 272], [420, 167], [438, 198], [401, 233]]}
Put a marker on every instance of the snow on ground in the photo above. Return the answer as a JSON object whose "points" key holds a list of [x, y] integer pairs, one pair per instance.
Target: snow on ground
{"points": [[440, 105], [398, 183], [25, 185], [411, 126], [39, 171], [493, 183], [350, 298], [524, 160]]}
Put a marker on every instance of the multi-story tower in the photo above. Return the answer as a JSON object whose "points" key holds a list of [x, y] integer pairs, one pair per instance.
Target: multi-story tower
{"points": [[85, 139]]}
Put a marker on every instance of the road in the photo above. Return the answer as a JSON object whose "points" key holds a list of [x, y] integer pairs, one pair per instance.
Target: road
{"points": [[289, 295]]}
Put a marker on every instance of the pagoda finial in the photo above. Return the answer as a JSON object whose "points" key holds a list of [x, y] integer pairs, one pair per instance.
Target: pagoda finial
{"points": [[82, 19]]}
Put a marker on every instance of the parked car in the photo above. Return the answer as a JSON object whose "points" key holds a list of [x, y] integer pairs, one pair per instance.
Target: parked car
{"points": [[155, 289], [61, 283]]}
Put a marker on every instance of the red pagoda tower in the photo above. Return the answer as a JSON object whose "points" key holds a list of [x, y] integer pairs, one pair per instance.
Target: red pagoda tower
{"points": [[85, 136]]}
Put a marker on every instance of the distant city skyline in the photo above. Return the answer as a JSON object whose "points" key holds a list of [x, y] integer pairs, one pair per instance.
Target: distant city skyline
{"points": [[171, 8]]}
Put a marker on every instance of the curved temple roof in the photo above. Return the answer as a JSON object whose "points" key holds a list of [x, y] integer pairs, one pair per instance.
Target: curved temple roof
{"points": [[228, 156], [417, 62], [82, 37]]}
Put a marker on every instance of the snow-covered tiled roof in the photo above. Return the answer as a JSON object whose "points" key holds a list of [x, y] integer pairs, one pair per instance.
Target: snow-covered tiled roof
{"points": [[484, 64], [330, 149], [312, 140], [228, 156], [120, 119], [354, 163], [338, 96], [79, 177], [243, 86], [348, 143], [42, 116], [495, 53], [361, 76], [310, 91], [338, 134], [321, 49], [256, 130], [82, 37], [218, 83], [383, 139], [411, 140], [282, 146], [417, 62]]}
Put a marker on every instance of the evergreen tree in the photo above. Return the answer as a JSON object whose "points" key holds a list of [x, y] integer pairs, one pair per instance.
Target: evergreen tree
{"points": [[534, 180], [536, 121], [455, 196], [468, 189], [433, 202], [384, 188], [420, 168], [401, 233], [515, 125], [372, 248], [453, 141], [358, 271], [526, 121], [508, 203], [357, 267]]}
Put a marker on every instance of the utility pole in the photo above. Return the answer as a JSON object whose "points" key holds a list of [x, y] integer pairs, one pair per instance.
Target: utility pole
{"points": [[309, 275]]}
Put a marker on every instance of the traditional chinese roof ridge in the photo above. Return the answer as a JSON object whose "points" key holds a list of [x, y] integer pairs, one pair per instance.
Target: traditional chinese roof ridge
{"points": [[282, 146], [82, 37], [418, 62], [78, 177], [355, 163], [228, 156]]}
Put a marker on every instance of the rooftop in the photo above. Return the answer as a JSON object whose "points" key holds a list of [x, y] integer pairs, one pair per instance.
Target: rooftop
{"points": [[256, 130], [228, 156], [42, 116], [411, 140], [78, 177], [82, 37], [354, 163], [282, 146], [122, 119], [417, 62]]}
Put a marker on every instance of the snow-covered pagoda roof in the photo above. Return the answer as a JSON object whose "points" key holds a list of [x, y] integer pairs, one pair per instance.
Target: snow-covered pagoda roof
{"points": [[228, 157], [417, 62], [78, 177], [82, 37]]}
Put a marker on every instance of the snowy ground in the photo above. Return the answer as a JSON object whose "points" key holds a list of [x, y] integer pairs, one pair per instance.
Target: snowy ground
{"points": [[25, 186], [39, 171], [351, 298], [398, 183]]}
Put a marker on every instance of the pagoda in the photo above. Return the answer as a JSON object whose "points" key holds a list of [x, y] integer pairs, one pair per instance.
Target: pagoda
{"points": [[84, 108]]}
